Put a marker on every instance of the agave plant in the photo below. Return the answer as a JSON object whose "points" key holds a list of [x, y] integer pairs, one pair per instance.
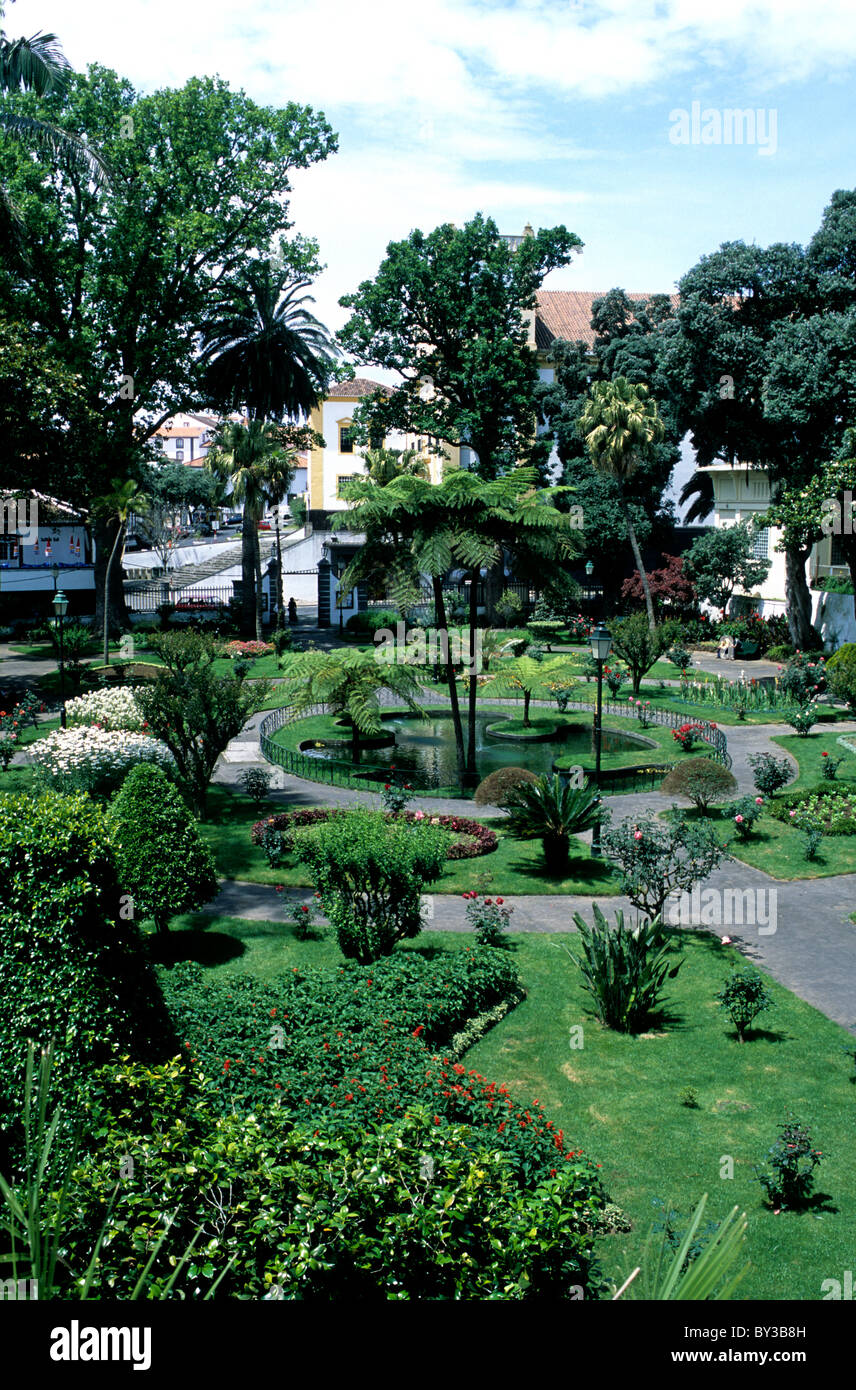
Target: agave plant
{"points": [[624, 968], [550, 811]]}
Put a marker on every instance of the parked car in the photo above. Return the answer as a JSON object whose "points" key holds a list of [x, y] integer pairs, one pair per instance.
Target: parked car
{"points": [[234, 519], [265, 526]]}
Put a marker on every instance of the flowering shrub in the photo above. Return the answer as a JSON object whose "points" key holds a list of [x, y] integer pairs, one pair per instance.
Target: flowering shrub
{"points": [[829, 766], [7, 748], [395, 795], [802, 719], [687, 735], [22, 713], [769, 773], [488, 917], [793, 1161], [615, 678], [110, 708], [95, 760], [744, 814], [248, 649], [474, 839], [803, 678], [744, 996], [643, 712]]}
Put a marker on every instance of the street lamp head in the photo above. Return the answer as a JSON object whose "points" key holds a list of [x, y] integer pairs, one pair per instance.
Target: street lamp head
{"points": [[589, 568], [600, 642], [60, 604]]}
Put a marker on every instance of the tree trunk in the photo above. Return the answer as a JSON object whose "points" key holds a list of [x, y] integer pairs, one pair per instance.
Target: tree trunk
{"points": [[109, 591], [451, 681], [798, 597], [257, 559], [471, 776], [637, 554], [280, 620], [527, 696], [248, 576]]}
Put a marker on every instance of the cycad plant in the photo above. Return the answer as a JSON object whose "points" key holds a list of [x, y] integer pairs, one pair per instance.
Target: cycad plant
{"points": [[550, 811], [624, 968]]}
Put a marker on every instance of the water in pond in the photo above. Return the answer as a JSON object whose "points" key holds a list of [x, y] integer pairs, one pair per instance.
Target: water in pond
{"points": [[424, 750]]}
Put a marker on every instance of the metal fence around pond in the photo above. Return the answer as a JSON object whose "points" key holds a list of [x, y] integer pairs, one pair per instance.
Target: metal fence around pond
{"points": [[635, 777]]}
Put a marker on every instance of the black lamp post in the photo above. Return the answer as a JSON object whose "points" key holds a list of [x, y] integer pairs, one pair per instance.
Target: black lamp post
{"points": [[600, 642], [60, 608]]}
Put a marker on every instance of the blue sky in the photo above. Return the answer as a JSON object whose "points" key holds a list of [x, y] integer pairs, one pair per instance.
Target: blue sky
{"points": [[527, 110]]}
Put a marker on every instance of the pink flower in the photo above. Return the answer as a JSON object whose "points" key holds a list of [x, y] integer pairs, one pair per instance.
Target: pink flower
{"points": [[419, 815], [726, 941], [791, 813], [738, 820], [637, 835], [759, 801]]}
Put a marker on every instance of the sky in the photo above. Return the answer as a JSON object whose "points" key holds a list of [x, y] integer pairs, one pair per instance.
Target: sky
{"points": [[540, 111]]}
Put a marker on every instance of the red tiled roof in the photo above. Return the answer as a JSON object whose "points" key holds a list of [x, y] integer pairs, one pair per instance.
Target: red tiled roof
{"points": [[359, 387], [567, 314]]}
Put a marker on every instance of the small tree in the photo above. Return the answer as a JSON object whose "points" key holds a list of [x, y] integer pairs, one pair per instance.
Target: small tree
{"points": [[793, 1160], [550, 812], [371, 871], [162, 860], [525, 675], [638, 644], [701, 780], [194, 711], [743, 996], [350, 682], [723, 560], [656, 860], [841, 673]]}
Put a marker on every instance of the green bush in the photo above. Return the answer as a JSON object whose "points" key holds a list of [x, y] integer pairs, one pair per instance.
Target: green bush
{"points": [[743, 996], [494, 789], [793, 1161], [637, 646], [624, 969], [780, 653], [161, 858], [803, 678], [406, 1210], [841, 673], [657, 859], [71, 959], [701, 780], [371, 873], [552, 812], [769, 773]]}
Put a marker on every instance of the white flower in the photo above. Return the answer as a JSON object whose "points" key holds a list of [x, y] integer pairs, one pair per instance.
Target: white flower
{"points": [[115, 708]]}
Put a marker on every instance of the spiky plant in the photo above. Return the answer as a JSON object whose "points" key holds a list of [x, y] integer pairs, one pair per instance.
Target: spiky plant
{"points": [[550, 811]]}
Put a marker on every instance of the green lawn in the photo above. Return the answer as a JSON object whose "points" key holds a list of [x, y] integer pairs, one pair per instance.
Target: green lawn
{"points": [[618, 1097], [514, 867]]}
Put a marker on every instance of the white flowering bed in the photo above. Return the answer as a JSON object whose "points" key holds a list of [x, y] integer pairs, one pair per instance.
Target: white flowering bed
{"points": [[96, 760], [114, 708]]}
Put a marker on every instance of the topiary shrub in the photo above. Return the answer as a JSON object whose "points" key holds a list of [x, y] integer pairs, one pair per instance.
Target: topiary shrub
{"points": [[493, 789], [841, 673], [162, 860], [701, 781], [71, 960]]}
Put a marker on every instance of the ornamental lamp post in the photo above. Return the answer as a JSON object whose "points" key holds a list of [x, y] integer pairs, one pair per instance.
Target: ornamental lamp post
{"points": [[600, 642], [60, 608]]}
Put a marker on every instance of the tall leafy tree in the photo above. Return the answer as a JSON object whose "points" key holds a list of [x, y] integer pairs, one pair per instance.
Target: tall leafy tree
{"points": [[120, 281], [723, 560], [621, 422]]}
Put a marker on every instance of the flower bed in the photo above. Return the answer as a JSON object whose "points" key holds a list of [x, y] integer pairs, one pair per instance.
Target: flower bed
{"points": [[474, 839], [95, 760], [113, 709], [250, 649], [834, 805]]}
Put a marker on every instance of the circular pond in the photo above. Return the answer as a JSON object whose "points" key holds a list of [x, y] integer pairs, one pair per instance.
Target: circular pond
{"points": [[424, 749]]}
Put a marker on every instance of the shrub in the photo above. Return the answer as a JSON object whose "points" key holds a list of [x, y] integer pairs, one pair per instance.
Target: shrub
{"points": [[812, 828], [841, 673], [8, 748], [371, 873], [803, 678], [744, 814], [509, 607], [834, 805], [687, 735], [615, 678], [802, 719], [829, 766], [701, 780], [494, 789], [780, 653], [95, 760], [396, 795], [161, 858], [71, 960], [624, 969], [769, 773], [255, 781], [793, 1161], [658, 859], [252, 649], [637, 646], [113, 708], [743, 996], [551, 812], [488, 918], [680, 657]]}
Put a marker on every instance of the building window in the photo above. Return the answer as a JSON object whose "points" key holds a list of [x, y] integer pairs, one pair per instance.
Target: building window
{"points": [[761, 544], [836, 553], [346, 439], [340, 480]]}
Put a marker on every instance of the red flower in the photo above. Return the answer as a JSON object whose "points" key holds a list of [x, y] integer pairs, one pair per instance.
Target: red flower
{"points": [[420, 1029]]}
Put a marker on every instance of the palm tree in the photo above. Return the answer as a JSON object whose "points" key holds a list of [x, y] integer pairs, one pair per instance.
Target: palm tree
{"points": [[621, 422], [551, 812], [39, 65], [279, 475], [248, 455], [263, 351], [384, 465], [524, 674], [699, 488], [349, 682], [116, 506]]}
